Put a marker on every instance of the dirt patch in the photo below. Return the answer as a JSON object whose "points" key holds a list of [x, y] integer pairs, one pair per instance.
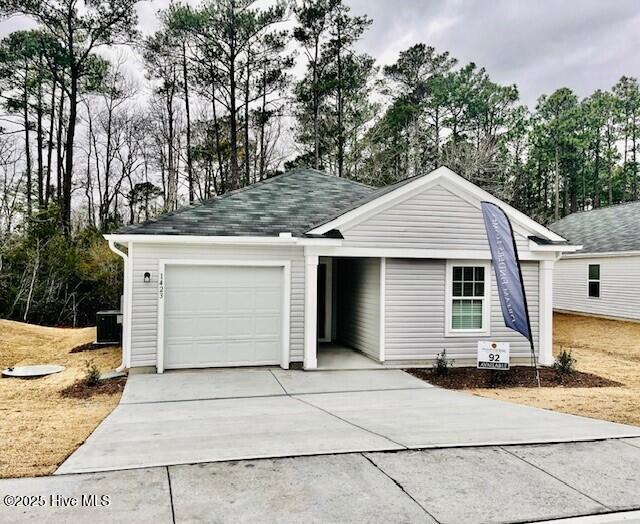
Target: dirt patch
{"points": [[80, 389], [40, 427], [607, 348], [516, 377]]}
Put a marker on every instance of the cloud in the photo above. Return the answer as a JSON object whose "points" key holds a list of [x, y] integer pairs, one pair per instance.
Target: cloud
{"points": [[539, 45]]}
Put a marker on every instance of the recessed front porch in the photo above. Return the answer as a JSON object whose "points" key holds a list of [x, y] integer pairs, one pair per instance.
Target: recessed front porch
{"points": [[335, 356], [344, 317]]}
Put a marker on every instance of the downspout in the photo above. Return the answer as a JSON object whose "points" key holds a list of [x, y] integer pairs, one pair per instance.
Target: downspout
{"points": [[125, 306]]}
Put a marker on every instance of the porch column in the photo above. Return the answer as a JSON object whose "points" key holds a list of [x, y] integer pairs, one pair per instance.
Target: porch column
{"points": [[310, 311], [545, 290]]}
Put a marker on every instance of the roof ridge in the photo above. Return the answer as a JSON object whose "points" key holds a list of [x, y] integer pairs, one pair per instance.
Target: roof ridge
{"points": [[329, 175], [206, 201], [304, 181], [376, 193], [594, 210]]}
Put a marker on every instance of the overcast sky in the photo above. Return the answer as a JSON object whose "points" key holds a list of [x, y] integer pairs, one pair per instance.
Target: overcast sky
{"points": [[540, 45]]}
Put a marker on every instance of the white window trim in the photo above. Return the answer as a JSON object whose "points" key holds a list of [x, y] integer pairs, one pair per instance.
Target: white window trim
{"points": [[598, 280], [286, 299], [486, 301]]}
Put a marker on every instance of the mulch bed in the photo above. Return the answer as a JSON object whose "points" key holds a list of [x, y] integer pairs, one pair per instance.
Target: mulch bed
{"points": [[105, 387], [516, 377], [91, 346]]}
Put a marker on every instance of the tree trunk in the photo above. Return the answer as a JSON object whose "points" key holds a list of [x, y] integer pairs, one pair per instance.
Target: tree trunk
{"points": [[556, 187], [340, 104], [624, 155], [185, 79], [247, 86], [263, 122], [105, 202], [68, 165], [596, 176], [217, 134], [27, 144], [40, 142], [172, 196], [234, 182], [437, 137], [316, 108], [52, 117], [633, 156], [60, 149]]}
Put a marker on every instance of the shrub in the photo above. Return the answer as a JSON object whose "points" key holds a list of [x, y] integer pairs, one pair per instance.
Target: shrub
{"points": [[91, 375], [442, 365], [564, 364]]}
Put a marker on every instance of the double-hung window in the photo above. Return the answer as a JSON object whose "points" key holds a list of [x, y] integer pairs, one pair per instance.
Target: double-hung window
{"points": [[467, 307], [594, 280]]}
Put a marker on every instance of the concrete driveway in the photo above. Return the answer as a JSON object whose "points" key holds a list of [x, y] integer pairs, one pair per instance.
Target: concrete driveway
{"points": [[221, 415], [494, 484]]}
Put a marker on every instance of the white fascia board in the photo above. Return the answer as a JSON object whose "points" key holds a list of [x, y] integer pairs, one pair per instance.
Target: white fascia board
{"points": [[247, 240], [459, 186], [376, 252], [533, 246], [609, 254]]}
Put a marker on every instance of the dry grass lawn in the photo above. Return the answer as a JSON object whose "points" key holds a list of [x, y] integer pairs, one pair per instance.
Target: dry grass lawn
{"points": [[608, 348], [39, 427]]}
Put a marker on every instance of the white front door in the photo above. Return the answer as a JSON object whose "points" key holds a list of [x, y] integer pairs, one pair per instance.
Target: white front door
{"points": [[222, 316]]}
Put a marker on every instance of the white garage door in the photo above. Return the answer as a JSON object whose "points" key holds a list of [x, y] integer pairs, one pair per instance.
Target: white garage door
{"points": [[222, 316]]}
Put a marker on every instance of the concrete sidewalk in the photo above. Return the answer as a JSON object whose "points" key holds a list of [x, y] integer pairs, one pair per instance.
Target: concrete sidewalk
{"points": [[495, 484], [221, 415]]}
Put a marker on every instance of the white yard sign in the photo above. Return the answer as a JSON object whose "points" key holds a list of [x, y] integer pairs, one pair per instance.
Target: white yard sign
{"points": [[493, 355]]}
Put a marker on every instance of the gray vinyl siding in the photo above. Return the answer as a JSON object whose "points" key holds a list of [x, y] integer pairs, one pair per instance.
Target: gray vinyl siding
{"points": [[145, 295], [358, 299], [619, 286], [415, 313], [433, 219]]}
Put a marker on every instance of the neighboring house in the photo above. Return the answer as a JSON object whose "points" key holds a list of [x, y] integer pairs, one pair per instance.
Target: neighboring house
{"points": [[603, 278], [267, 275]]}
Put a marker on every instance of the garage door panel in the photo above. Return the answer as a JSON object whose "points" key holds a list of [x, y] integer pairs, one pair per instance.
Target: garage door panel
{"points": [[264, 350], [222, 316], [267, 326], [266, 298], [181, 354], [241, 351], [180, 327], [210, 326], [184, 301], [240, 327], [240, 299]]}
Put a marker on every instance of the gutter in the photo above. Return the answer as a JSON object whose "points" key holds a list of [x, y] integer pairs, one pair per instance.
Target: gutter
{"points": [[125, 313], [604, 254], [283, 239]]}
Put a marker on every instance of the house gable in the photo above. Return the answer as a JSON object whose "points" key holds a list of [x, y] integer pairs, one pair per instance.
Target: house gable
{"points": [[428, 211], [436, 217]]}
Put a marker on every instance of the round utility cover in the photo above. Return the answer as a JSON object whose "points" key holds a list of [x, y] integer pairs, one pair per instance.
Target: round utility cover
{"points": [[32, 371]]}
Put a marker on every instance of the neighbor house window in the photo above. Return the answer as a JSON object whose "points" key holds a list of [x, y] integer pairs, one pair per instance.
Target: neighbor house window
{"points": [[467, 298], [594, 280]]}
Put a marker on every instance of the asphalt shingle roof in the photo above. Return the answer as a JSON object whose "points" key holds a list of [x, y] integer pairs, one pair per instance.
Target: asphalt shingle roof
{"points": [[608, 229], [292, 202]]}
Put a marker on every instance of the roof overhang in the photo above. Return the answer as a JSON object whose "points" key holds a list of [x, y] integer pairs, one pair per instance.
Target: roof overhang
{"points": [[608, 254], [462, 187], [285, 239], [543, 244]]}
